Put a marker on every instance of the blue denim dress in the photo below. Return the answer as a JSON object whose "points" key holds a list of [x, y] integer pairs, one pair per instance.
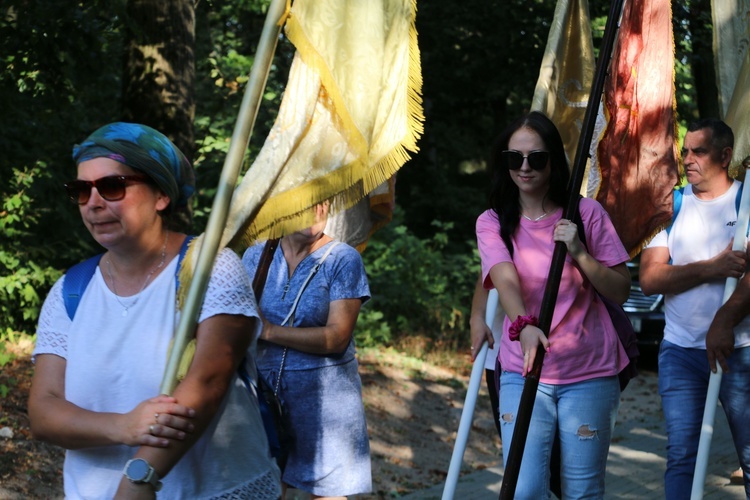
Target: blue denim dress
{"points": [[321, 394]]}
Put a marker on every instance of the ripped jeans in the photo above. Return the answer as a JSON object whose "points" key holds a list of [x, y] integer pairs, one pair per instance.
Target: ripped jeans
{"points": [[584, 415]]}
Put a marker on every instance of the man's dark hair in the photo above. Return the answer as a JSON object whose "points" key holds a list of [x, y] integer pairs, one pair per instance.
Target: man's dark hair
{"points": [[721, 134]]}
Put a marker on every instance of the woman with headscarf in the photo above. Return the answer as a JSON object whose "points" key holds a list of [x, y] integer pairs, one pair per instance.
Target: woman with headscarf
{"points": [[98, 369]]}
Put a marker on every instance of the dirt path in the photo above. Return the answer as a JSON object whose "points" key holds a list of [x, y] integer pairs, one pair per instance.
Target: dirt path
{"points": [[413, 409]]}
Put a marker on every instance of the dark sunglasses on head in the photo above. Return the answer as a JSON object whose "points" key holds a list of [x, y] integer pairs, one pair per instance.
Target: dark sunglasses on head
{"points": [[537, 159], [111, 187]]}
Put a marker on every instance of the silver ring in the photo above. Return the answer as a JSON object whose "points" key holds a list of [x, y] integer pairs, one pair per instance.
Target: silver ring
{"points": [[151, 429], [156, 417]]}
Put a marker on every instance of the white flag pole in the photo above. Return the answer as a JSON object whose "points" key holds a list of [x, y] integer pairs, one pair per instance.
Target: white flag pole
{"points": [[714, 382], [462, 436]]}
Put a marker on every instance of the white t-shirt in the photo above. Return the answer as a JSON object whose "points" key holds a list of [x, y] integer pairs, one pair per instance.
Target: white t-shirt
{"points": [[703, 229], [114, 362]]}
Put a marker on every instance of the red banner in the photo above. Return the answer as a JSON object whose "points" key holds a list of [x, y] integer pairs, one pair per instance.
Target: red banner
{"points": [[637, 154]]}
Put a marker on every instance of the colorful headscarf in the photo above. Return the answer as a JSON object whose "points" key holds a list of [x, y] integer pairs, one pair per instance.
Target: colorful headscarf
{"points": [[144, 149]]}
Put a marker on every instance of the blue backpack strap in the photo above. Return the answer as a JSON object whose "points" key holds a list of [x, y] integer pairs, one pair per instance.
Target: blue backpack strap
{"points": [[676, 205], [75, 282], [77, 278], [180, 256], [737, 199]]}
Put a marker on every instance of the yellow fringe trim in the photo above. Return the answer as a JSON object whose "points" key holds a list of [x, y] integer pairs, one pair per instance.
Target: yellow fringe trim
{"points": [[185, 360]]}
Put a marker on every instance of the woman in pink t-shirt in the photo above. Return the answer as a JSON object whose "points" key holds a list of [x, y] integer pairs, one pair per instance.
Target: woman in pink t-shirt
{"points": [[579, 393]]}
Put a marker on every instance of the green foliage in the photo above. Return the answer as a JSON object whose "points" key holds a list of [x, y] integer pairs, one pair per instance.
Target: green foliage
{"points": [[58, 81], [5, 358], [61, 78], [23, 270], [372, 328], [417, 286], [12, 343], [227, 34]]}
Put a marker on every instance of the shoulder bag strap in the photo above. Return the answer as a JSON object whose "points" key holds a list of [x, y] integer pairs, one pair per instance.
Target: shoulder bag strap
{"points": [[290, 316], [259, 282], [310, 276], [264, 264]]}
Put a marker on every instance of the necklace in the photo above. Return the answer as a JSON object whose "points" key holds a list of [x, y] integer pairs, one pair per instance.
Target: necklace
{"points": [[545, 214], [126, 307]]}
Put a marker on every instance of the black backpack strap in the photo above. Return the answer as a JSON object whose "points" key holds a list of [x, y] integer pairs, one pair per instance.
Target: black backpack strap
{"points": [[578, 221]]}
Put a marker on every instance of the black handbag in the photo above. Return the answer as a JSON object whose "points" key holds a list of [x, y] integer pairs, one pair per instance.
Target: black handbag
{"points": [[272, 412]]}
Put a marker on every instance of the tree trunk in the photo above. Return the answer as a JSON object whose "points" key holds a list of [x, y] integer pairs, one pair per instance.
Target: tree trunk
{"points": [[159, 73], [702, 59]]}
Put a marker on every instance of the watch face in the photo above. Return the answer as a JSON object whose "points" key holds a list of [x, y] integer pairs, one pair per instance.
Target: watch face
{"points": [[138, 470]]}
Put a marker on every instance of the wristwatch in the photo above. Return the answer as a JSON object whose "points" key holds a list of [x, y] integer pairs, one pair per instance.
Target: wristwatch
{"points": [[138, 471]]}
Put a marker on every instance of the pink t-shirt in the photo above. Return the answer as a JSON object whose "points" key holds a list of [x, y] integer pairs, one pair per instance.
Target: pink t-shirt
{"points": [[583, 342]]}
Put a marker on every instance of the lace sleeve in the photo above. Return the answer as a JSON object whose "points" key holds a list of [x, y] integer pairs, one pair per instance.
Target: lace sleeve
{"points": [[229, 290], [54, 325]]}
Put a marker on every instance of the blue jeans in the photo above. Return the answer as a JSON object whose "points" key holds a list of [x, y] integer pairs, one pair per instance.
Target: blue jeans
{"points": [[683, 383], [582, 413]]}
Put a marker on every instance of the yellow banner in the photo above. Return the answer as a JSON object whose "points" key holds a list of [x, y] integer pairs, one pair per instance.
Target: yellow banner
{"points": [[350, 117]]}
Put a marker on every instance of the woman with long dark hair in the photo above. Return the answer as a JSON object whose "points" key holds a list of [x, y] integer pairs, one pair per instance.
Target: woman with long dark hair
{"points": [[578, 394]]}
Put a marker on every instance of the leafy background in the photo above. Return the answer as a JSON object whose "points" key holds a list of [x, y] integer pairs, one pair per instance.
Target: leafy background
{"points": [[61, 70]]}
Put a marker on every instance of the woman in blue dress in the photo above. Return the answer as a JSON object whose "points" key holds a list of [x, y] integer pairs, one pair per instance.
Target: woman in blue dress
{"points": [[306, 353]]}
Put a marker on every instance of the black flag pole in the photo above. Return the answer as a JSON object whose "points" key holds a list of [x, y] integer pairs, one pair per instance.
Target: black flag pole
{"points": [[526, 405]]}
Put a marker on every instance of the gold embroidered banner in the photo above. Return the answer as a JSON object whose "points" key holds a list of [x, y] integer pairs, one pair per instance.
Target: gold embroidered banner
{"points": [[567, 71]]}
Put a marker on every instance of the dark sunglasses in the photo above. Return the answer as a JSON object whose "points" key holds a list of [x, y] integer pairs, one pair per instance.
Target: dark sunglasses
{"points": [[537, 159], [111, 187]]}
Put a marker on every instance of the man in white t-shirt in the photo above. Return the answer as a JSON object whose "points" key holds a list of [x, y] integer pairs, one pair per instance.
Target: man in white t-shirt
{"points": [[689, 263]]}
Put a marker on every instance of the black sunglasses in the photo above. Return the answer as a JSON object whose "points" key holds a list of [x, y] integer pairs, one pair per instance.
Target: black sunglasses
{"points": [[514, 159], [111, 187]]}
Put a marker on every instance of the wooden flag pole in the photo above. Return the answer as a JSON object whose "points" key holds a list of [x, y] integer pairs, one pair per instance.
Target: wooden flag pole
{"points": [[714, 381], [528, 396], [230, 172]]}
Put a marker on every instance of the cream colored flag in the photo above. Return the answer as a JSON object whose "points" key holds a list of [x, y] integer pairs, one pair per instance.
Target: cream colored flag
{"points": [[567, 72], [738, 117], [731, 23], [350, 116], [732, 60]]}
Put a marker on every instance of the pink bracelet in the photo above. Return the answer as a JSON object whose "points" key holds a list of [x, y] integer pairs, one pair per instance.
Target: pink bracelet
{"points": [[521, 322]]}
